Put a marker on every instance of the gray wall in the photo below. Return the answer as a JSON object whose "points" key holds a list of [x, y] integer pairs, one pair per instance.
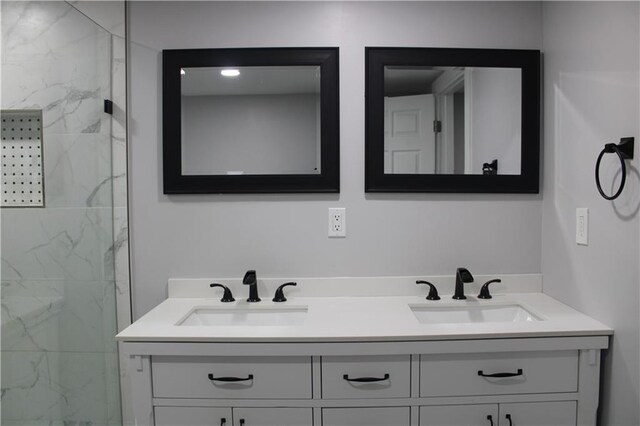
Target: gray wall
{"points": [[592, 97], [256, 134], [286, 235]]}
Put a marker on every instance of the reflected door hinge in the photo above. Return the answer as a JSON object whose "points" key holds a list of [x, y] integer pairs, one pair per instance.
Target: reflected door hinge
{"points": [[437, 126], [108, 106]]}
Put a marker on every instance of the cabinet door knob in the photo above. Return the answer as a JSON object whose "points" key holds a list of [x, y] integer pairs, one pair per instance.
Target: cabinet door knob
{"points": [[366, 379], [501, 375], [490, 418], [241, 422], [230, 379], [508, 417], [223, 421]]}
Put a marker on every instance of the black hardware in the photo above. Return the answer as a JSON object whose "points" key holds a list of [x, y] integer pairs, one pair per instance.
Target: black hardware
{"points": [[223, 421], [508, 417], [433, 291], [501, 375], [251, 279], [437, 126], [108, 106], [366, 379], [624, 150], [241, 422], [462, 276], [230, 379], [227, 296], [490, 168], [490, 418], [484, 291], [279, 296]]}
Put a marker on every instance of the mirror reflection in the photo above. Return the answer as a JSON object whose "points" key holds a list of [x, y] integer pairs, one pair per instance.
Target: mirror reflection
{"points": [[251, 120], [452, 120]]}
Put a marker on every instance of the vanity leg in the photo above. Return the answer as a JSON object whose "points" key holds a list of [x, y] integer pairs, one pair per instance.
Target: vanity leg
{"points": [[589, 386], [140, 368]]}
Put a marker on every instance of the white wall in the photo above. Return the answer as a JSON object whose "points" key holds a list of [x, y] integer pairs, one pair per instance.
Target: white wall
{"points": [[286, 235], [592, 97]]}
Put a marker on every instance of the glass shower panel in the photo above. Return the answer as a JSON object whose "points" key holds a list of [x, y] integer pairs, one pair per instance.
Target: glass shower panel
{"points": [[59, 356]]}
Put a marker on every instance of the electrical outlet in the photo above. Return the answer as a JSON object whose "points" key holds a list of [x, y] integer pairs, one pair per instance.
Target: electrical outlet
{"points": [[337, 223], [582, 226]]}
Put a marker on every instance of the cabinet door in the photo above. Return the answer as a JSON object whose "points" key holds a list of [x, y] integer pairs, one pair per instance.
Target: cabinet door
{"points": [[268, 416], [192, 416], [459, 415], [538, 414], [367, 416]]}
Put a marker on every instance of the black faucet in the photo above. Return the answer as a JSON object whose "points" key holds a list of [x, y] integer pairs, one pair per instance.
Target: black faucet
{"points": [[251, 280], [462, 276]]}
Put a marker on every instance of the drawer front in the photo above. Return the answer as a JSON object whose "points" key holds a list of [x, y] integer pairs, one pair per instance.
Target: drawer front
{"points": [[231, 377], [367, 416], [513, 372], [366, 377], [457, 415]]}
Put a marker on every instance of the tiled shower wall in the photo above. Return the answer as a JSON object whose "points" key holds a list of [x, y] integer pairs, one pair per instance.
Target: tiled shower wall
{"points": [[59, 356]]}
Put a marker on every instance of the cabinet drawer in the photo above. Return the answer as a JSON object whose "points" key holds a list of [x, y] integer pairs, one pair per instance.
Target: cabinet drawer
{"points": [[513, 372], [367, 416], [231, 377], [366, 377]]}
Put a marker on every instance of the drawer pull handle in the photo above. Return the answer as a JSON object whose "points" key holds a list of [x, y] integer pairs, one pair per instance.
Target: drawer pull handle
{"points": [[223, 421], [241, 422], [508, 417], [230, 379], [366, 379], [500, 375], [490, 419]]}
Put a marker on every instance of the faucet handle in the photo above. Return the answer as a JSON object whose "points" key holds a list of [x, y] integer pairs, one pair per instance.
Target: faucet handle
{"points": [[279, 296], [484, 291], [227, 296], [433, 291]]}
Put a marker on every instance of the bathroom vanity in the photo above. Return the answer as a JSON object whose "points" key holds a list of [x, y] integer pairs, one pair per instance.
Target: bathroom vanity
{"points": [[390, 358]]}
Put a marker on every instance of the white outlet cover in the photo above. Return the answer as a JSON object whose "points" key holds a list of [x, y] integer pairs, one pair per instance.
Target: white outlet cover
{"points": [[337, 223], [582, 226]]}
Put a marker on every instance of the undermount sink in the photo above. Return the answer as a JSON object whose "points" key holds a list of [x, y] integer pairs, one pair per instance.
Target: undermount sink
{"points": [[472, 314], [252, 316]]}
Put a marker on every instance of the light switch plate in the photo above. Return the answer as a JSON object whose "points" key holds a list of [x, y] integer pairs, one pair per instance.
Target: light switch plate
{"points": [[582, 226]]}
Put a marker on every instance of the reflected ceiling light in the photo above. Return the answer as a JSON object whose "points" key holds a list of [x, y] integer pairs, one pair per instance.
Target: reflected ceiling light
{"points": [[230, 73], [182, 72]]}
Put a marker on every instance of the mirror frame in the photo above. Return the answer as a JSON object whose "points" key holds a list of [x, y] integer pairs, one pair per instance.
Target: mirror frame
{"points": [[375, 178], [328, 180]]}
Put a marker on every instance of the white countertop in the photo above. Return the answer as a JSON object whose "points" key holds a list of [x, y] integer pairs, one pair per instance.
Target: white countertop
{"points": [[380, 317]]}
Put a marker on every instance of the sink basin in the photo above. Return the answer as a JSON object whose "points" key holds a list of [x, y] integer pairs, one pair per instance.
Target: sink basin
{"points": [[252, 316], [472, 314]]}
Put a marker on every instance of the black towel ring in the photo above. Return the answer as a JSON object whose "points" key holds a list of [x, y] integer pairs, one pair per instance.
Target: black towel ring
{"points": [[624, 150]]}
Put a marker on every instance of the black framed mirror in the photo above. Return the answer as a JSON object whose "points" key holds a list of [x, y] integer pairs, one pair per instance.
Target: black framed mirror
{"points": [[250, 120], [452, 120]]}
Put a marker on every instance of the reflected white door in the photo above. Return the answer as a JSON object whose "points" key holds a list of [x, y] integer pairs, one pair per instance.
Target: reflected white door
{"points": [[409, 140]]}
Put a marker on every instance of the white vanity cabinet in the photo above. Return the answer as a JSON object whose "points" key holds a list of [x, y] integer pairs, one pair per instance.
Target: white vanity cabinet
{"points": [[558, 413], [223, 416], [549, 381]]}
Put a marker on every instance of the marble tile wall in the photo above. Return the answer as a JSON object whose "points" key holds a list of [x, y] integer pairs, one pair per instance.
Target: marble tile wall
{"points": [[60, 282]]}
